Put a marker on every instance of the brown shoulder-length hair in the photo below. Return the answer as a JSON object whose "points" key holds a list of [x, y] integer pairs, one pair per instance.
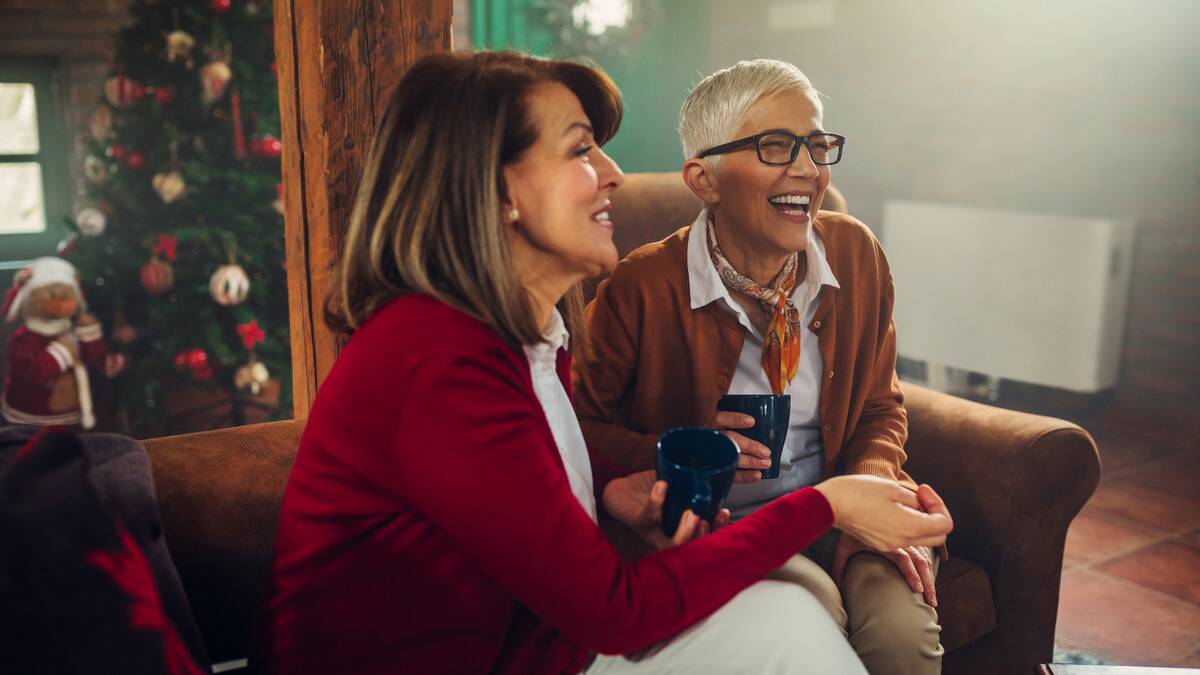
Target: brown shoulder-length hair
{"points": [[427, 217]]}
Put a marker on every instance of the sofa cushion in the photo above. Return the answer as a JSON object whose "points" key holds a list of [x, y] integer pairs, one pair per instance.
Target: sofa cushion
{"points": [[965, 606]]}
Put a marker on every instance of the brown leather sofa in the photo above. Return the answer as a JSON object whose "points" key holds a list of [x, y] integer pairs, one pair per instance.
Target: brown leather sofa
{"points": [[1013, 481]]}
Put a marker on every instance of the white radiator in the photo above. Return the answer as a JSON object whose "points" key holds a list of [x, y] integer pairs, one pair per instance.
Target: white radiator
{"points": [[1022, 296]]}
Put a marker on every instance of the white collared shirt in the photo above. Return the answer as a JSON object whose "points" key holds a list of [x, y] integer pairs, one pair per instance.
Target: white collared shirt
{"points": [[543, 369], [803, 451]]}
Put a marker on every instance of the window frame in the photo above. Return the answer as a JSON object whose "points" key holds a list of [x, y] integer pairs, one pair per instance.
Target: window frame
{"points": [[53, 157]]}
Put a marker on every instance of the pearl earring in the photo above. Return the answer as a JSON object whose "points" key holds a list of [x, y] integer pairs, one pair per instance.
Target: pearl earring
{"points": [[514, 215]]}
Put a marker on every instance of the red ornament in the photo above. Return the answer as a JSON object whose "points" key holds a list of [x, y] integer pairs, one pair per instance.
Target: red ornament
{"points": [[251, 334], [157, 277], [221, 6], [180, 361], [197, 358], [117, 152], [114, 363], [135, 160], [266, 146], [166, 246], [164, 95]]}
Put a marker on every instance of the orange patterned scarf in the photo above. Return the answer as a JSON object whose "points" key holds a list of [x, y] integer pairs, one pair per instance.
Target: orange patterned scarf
{"points": [[781, 344]]}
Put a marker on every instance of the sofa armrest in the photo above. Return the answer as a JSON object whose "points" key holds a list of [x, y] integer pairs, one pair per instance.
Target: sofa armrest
{"points": [[1013, 482]]}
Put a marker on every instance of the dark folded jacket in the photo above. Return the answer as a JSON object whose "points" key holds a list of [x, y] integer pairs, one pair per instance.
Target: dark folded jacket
{"points": [[87, 584]]}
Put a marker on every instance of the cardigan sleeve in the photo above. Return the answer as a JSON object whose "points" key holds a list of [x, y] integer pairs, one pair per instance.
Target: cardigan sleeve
{"points": [[876, 447], [603, 377], [471, 455]]}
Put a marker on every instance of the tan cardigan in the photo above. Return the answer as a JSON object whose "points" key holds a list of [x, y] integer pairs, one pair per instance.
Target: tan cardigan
{"points": [[655, 363]]}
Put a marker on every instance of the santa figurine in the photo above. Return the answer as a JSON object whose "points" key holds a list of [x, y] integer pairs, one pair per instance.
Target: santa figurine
{"points": [[50, 352]]}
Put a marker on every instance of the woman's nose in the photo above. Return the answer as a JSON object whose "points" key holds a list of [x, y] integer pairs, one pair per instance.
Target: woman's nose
{"points": [[610, 175], [803, 166]]}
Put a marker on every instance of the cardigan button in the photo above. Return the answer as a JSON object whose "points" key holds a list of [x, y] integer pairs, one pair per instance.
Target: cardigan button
{"points": [[816, 325], [826, 427], [829, 374]]}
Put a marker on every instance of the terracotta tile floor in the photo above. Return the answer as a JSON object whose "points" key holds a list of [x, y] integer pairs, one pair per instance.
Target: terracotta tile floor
{"points": [[1131, 576]]}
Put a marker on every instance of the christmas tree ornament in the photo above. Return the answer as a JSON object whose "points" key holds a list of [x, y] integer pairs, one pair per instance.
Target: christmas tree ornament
{"points": [[124, 333], [170, 186], [67, 246], [117, 152], [114, 364], [229, 285], [251, 333], [220, 6], [157, 276], [101, 123], [266, 146], [179, 48], [197, 358], [121, 92], [164, 95], [95, 170], [251, 377], [91, 221], [179, 361], [135, 160], [278, 204], [214, 79], [165, 247]]}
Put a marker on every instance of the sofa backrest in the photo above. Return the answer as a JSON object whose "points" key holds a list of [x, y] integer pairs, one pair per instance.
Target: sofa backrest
{"points": [[220, 493]]}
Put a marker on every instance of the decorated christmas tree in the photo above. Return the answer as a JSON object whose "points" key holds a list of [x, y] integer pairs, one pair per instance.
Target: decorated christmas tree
{"points": [[180, 244]]}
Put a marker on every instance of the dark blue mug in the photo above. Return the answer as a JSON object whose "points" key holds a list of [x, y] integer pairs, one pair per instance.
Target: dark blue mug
{"points": [[699, 466], [772, 415]]}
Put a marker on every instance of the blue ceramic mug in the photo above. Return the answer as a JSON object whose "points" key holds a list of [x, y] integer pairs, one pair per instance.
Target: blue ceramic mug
{"points": [[772, 415], [698, 466]]}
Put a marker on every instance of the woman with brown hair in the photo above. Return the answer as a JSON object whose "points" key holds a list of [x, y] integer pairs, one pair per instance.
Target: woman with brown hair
{"points": [[441, 514]]}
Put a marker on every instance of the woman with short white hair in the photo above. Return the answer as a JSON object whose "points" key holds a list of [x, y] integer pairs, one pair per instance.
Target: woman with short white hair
{"points": [[765, 293]]}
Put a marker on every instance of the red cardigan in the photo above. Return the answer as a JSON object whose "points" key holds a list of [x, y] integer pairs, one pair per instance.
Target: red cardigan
{"points": [[428, 525]]}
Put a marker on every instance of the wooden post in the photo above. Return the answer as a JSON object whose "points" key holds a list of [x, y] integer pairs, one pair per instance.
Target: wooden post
{"points": [[338, 61]]}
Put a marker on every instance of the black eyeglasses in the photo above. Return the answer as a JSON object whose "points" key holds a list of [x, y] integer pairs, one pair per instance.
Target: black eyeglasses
{"points": [[778, 148]]}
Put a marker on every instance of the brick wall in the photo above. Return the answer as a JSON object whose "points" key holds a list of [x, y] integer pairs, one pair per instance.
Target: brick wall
{"points": [[77, 33]]}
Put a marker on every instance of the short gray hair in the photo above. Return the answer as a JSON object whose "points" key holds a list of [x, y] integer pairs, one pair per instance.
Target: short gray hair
{"points": [[715, 107]]}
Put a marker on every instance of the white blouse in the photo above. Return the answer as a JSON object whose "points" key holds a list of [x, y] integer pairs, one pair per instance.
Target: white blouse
{"points": [[803, 449], [543, 369]]}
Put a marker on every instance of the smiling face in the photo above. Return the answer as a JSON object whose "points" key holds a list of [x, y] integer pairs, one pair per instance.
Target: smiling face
{"points": [[560, 186], [769, 209]]}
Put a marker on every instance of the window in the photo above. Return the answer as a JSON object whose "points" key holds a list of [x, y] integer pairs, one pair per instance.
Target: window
{"points": [[34, 180]]}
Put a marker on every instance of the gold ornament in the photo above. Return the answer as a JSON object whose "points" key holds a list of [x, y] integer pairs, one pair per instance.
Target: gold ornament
{"points": [[229, 285], [214, 78], [179, 47], [101, 123], [95, 169], [251, 376], [169, 186]]}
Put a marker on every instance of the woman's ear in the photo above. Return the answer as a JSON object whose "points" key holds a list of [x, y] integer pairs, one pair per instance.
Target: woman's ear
{"points": [[701, 178]]}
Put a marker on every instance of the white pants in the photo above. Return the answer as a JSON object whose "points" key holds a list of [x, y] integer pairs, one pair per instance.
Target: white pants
{"points": [[772, 627]]}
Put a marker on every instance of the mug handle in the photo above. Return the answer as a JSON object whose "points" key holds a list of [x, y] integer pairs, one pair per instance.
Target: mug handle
{"points": [[702, 498]]}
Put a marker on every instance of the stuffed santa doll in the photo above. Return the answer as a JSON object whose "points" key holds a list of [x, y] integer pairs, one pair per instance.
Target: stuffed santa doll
{"points": [[49, 354]]}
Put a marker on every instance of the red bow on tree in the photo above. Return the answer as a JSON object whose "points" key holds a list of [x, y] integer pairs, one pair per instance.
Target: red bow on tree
{"points": [[251, 334], [166, 247]]}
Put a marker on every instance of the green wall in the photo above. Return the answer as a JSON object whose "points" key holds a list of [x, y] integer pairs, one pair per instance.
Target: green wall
{"points": [[654, 72]]}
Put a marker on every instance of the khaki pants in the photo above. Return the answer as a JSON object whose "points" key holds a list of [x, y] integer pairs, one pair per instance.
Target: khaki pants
{"points": [[891, 628], [770, 628]]}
